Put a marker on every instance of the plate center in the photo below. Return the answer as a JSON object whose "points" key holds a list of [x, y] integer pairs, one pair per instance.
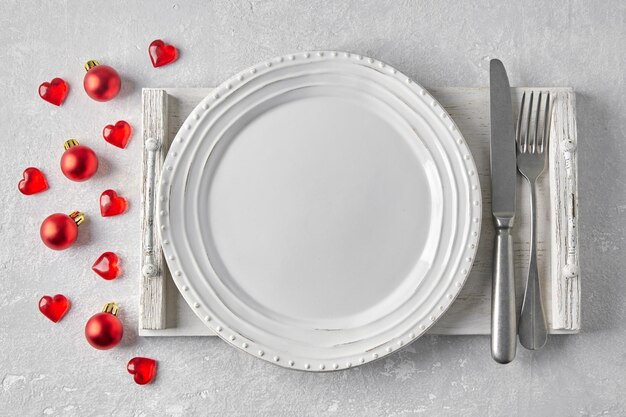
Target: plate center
{"points": [[326, 202]]}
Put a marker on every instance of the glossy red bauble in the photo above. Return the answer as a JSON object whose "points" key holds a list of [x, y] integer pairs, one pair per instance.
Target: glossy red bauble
{"points": [[104, 330], [78, 163], [107, 266], [143, 369], [55, 307], [101, 83], [162, 53], [33, 181], [59, 231], [54, 91], [112, 204], [117, 134]]}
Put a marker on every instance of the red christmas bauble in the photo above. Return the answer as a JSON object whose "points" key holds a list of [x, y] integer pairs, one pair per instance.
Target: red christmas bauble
{"points": [[104, 330], [79, 162], [59, 231], [102, 83]]}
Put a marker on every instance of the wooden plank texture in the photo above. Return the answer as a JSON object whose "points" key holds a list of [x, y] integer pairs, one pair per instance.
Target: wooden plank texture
{"points": [[565, 271], [153, 269], [470, 313]]}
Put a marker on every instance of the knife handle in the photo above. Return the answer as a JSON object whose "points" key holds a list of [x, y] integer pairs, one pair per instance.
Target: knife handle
{"points": [[503, 315]]}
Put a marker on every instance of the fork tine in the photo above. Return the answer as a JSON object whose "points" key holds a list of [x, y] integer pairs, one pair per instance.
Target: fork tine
{"points": [[536, 143], [519, 139], [539, 123], [546, 125], [529, 112]]}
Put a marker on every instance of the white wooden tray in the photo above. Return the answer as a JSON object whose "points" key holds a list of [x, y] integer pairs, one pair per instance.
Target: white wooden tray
{"points": [[165, 313]]}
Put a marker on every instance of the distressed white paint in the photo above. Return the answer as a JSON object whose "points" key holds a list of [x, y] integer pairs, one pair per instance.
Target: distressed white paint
{"points": [[565, 268], [470, 313], [153, 268]]}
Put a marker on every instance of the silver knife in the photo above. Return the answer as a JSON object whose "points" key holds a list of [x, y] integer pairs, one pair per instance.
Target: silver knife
{"points": [[503, 180]]}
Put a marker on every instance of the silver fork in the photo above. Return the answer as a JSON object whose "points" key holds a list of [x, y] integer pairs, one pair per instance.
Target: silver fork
{"points": [[533, 134]]}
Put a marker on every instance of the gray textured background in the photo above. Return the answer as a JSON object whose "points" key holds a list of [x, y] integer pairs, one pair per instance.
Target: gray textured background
{"points": [[49, 369]]}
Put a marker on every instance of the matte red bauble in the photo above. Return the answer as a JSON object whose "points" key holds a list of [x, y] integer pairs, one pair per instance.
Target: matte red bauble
{"points": [[104, 330], [59, 231], [102, 83], [79, 162]]}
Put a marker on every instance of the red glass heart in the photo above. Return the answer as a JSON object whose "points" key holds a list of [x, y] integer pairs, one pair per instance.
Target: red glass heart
{"points": [[162, 53], [117, 134], [54, 307], [33, 182], [107, 266], [54, 91], [143, 369], [111, 204]]}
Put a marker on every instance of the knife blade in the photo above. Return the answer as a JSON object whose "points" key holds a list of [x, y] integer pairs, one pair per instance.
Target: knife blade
{"points": [[503, 181]]}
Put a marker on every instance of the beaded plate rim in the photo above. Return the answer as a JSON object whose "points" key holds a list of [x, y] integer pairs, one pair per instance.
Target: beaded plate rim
{"points": [[263, 352]]}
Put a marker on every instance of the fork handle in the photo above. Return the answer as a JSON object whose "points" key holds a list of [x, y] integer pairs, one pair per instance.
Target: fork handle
{"points": [[533, 332], [503, 314]]}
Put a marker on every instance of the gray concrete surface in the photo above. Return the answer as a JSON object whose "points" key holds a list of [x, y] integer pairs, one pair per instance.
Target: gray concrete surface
{"points": [[49, 369]]}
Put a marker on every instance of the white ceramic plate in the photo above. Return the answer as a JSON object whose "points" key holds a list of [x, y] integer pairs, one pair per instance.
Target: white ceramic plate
{"points": [[319, 210]]}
